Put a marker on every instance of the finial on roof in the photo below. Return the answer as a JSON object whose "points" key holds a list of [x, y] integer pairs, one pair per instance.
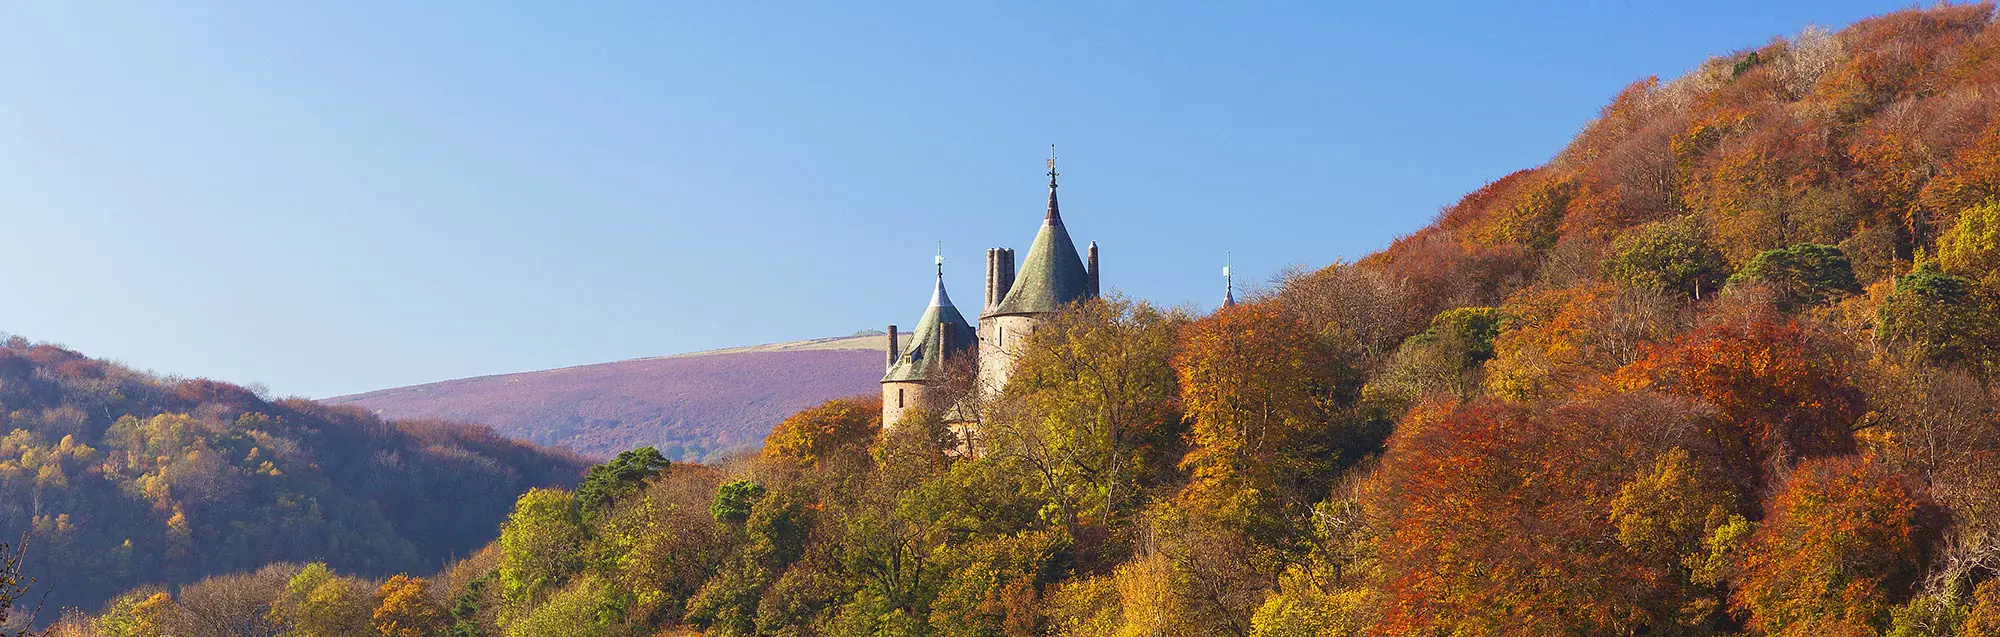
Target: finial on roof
{"points": [[1054, 215], [940, 259], [1228, 286], [1052, 166]]}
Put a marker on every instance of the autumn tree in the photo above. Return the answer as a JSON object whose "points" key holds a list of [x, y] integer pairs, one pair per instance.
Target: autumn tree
{"points": [[1265, 397], [1091, 416], [1781, 392], [1971, 247], [319, 603], [1553, 341], [404, 608], [1476, 509], [832, 435], [1842, 545]]}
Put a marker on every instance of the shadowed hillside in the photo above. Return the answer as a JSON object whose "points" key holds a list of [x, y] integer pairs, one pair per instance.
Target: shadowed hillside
{"points": [[691, 407], [125, 479]]}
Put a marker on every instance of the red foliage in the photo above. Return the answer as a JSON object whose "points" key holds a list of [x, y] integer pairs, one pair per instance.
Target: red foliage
{"points": [[1496, 519], [1781, 394], [1843, 544]]}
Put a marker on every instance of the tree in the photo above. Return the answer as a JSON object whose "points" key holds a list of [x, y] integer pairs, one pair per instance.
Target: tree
{"points": [[1090, 417], [1545, 518], [1804, 274], [1531, 214], [14, 585], [820, 434], [619, 478], [1265, 397], [734, 501], [318, 603], [1446, 358], [404, 608], [1782, 394], [540, 548], [237, 604], [1983, 618], [1555, 341], [1943, 318], [1841, 546], [1671, 256], [1971, 248]]}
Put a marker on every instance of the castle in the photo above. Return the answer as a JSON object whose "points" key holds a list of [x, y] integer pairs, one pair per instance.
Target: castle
{"points": [[1051, 277]]}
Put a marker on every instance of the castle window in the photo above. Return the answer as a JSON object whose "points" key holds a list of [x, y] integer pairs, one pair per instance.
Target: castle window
{"points": [[899, 398]]}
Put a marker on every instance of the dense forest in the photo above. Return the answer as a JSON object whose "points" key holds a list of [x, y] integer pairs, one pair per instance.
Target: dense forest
{"points": [[121, 479], [1723, 366]]}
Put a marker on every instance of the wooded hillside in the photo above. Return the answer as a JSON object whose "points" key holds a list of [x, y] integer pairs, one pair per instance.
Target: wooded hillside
{"points": [[1724, 366], [123, 478]]}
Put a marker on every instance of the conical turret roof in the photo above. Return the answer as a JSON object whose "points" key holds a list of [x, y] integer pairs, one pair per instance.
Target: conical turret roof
{"points": [[941, 332], [1053, 275]]}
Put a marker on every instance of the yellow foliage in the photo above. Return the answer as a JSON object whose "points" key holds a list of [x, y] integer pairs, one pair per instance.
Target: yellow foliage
{"points": [[1971, 248]]}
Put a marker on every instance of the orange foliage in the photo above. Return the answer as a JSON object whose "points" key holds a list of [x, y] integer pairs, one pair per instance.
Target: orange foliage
{"points": [[1261, 392], [1558, 341], [404, 608], [1781, 394], [815, 434], [1972, 177], [1497, 520], [1842, 545]]}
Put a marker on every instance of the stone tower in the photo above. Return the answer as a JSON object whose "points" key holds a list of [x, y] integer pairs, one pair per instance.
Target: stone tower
{"points": [[914, 370], [1052, 276]]}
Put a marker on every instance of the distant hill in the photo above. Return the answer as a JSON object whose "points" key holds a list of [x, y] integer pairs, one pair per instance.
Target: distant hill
{"points": [[692, 406], [127, 479]]}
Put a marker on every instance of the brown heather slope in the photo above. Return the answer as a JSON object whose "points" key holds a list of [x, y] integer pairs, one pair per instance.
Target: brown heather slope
{"points": [[692, 406]]}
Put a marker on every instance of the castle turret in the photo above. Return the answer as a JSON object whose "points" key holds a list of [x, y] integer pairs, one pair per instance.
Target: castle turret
{"points": [[1051, 277], [941, 333]]}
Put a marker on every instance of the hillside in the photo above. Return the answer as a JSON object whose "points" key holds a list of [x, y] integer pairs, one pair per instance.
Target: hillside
{"points": [[129, 479], [692, 406]]}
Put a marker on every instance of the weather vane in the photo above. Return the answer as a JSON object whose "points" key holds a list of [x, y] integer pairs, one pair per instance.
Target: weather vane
{"points": [[940, 259], [1052, 164]]}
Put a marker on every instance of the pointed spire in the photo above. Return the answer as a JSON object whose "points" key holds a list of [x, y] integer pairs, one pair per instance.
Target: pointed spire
{"points": [[1055, 213], [938, 297], [1228, 285]]}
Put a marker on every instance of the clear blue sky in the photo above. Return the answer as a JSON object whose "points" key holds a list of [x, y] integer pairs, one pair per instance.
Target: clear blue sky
{"points": [[367, 194]]}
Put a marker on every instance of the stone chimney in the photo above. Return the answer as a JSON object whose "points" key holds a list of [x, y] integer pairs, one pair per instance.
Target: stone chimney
{"points": [[1090, 273], [892, 346], [999, 275]]}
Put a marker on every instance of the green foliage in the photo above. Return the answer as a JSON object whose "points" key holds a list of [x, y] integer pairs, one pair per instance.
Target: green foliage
{"points": [[1804, 275], [619, 478], [580, 609], [540, 547], [734, 501], [1671, 256], [318, 603], [1945, 319], [1745, 64]]}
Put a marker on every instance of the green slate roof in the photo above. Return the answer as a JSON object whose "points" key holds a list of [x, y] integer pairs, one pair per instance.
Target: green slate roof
{"points": [[1052, 276], [920, 359]]}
